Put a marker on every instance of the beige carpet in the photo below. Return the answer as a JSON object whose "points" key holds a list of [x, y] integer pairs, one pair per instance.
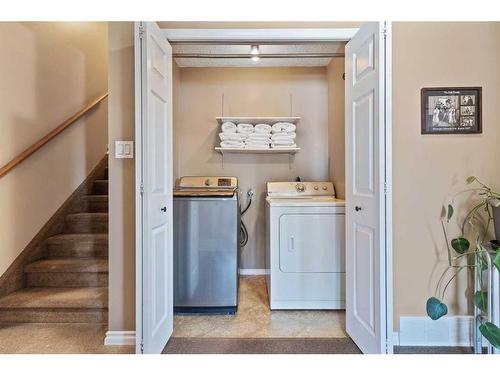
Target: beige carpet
{"points": [[56, 338]]}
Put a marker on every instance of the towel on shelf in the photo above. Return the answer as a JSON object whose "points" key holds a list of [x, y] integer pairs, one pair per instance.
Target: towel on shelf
{"points": [[283, 127], [274, 145], [284, 135], [232, 137], [256, 144], [245, 128], [232, 144], [263, 128], [228, 127], [283, 142], [258, 136]]}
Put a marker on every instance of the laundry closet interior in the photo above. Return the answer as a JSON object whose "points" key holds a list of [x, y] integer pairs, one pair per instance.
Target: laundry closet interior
{"points": [[221, 83], [257, 180]]}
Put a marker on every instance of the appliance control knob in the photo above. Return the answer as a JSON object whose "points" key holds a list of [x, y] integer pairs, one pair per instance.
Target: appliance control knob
{"points": [[207, 182], [316, 187], [325, 188], [300, 187]]}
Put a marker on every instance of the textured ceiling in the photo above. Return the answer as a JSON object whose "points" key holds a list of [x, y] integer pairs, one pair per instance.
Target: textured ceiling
{"points": [[214, 55]]}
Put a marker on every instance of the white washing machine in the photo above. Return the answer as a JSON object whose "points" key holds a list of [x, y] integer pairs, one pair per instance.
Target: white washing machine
{"points": [[305, 250]]}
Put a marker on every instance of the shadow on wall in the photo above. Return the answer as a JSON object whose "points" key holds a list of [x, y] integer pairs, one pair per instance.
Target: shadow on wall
{"points": [[54, 69]]}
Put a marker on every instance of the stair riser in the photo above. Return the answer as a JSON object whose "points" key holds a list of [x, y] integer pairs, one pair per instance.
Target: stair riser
{"points": [[100, 188], [78, 249], [86, 226], [66, 279], [94, 206], [53, 315]]}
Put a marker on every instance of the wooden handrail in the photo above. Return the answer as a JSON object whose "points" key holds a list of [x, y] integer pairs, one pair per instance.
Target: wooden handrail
{"points": [[47, 138]]}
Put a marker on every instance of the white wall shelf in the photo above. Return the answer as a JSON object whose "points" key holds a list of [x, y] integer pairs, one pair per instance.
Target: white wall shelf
{"points": [[224, 150], [257, 120]]}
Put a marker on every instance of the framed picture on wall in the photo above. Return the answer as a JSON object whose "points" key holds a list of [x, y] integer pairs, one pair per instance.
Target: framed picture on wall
{"points": [[451, 110]]}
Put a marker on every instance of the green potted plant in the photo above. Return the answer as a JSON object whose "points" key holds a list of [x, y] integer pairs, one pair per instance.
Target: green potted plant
{"points": [[464, 256]]}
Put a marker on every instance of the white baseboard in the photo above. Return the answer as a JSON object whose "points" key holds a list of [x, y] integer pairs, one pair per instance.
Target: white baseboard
{"points": [[252, 271], [120, 338], [447, 331]]}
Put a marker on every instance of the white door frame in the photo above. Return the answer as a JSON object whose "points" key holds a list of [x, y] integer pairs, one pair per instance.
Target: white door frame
{"points": [[276, 35]]}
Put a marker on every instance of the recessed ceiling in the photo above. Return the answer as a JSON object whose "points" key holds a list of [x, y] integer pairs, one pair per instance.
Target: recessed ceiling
{"points": [[270, 55]]}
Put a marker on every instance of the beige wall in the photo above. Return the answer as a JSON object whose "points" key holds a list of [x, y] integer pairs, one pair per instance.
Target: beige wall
{"points": [[121, 179], [48, 71], [252, 92], [428, 169], [336, 125]]}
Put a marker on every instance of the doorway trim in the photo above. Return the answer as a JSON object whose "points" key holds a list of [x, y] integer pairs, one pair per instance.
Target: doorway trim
{"points": [[258, 35], [269, 36]]}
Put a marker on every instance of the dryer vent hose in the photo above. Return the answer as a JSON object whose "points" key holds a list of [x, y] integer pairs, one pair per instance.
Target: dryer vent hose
{"points": [[243, 228]]}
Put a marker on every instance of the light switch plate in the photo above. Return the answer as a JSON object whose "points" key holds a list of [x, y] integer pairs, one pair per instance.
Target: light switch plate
{"points": [[124, 149]]}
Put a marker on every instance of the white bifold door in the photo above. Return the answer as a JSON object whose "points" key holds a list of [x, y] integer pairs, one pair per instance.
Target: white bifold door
{"points": [[154, 198], [368, 289]]}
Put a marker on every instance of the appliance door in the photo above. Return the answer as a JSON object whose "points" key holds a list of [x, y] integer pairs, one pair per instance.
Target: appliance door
{"points": [[312, 242], [205, 252]]}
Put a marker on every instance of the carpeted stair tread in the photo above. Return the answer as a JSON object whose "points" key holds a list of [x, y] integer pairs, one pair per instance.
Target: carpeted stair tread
{"points": [[87, 237], [80, 245], [95, 203], [96, 197], [69, 265], [56, 298], [87, 222]]}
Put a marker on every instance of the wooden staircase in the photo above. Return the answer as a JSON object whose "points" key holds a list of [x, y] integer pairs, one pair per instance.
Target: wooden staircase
{"points": [[71, 283]]}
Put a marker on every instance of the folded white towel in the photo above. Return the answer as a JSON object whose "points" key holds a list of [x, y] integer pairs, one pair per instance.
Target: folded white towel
{"points": [[284, 135], [258, 140], [232, 137], [245, 128], [293, 145], [228, 127], [256, 144], [283, 127], [259, 136], [263, 128], [282, 142], [232, 144]]}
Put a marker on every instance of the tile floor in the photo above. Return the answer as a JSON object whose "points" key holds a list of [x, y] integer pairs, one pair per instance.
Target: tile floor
{"points": [[255, 320]]}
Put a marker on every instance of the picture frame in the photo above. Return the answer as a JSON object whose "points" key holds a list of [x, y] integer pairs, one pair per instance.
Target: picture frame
{"points": [[451, 110]]}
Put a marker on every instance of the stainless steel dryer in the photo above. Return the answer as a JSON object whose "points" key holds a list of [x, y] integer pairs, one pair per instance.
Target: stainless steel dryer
{"points": [[206, 244]]}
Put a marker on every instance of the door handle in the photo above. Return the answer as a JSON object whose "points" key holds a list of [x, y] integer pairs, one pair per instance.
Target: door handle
{"points": [[358, 208], [291, 246], [164, 209]]}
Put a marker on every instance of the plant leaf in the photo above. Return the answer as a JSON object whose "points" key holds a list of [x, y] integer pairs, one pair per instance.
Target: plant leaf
{"points": [[480, 300], [491, 332], [469, 180], [460, 244], [496, 260], [450, 212], [435, 308]]}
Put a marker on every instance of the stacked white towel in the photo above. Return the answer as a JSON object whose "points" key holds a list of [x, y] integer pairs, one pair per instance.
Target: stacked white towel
{"points": [[283, 135], [244, 128], [260, 138], [229, 136], [280, 127], [279, 135]]}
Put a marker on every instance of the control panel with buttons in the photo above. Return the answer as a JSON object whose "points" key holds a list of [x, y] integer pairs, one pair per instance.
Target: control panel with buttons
{"points": [[287, 189]]}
